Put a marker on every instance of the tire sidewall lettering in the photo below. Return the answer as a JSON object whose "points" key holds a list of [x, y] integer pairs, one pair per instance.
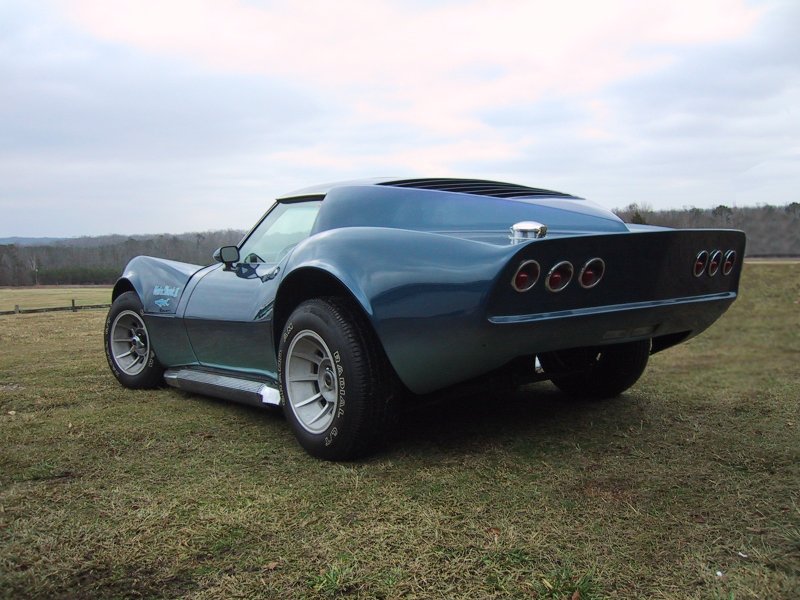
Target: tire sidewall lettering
{"points": [[334, 431], [281, 395], [311, 321], [342, 385]]}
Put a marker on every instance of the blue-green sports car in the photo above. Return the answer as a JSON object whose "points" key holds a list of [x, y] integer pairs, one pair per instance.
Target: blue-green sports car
{"points": [[346, 299]]}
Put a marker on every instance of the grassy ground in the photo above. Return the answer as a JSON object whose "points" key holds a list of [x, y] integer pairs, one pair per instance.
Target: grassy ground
{"points": [[48, 297], [686, 487]]}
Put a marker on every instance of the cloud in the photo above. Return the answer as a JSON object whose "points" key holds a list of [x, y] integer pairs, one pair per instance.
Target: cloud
{"points": [[181, 115], [427, 65], [101, 138]]}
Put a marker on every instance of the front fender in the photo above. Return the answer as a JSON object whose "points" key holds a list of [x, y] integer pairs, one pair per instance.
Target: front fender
{"points": [[158, 282]]}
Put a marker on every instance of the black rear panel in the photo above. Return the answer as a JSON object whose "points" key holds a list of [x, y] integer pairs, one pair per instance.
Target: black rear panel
{"points": [[639, 267]]}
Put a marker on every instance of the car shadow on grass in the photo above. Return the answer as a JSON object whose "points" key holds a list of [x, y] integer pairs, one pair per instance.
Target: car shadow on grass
{"points": [[533, 419], [533, 416]]}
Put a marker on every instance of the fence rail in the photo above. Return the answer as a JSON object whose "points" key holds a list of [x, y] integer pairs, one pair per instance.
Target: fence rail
{"points": [[73, 308]]}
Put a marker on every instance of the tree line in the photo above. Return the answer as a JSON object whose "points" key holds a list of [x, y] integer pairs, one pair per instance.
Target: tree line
{"points": [[100, 260], [771, 231]]}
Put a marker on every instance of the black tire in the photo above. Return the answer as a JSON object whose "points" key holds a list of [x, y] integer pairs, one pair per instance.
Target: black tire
{"points": [[335, 382], [600, 372], [127, 344]]}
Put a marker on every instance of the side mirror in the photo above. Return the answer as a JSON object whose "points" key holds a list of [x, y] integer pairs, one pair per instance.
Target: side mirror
{"points": [[228, 255]]}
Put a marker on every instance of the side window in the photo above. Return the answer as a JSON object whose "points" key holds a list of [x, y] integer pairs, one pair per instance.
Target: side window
{"points": [[282, 229]]}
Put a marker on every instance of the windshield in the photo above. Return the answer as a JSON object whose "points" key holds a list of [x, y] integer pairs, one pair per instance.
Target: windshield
{"points": [[282, 229]]}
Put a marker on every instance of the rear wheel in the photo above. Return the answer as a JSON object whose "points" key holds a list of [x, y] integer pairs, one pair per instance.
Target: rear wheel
{"points": [[597, 372], [127, 344], [335, 381]]}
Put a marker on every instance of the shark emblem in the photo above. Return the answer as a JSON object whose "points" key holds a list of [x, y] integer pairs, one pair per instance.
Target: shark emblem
{"points": [[162, 302]]}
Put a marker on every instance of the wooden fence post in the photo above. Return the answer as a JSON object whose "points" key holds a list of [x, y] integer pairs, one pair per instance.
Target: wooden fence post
{"points": [[73, 306], [16, 308]]}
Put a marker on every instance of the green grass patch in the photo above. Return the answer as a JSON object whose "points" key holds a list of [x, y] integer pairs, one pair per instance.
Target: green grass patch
{"points": [[52, 296], [687, 486]]}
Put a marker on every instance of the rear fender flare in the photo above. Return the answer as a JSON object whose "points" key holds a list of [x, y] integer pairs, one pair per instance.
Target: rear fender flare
{"points": [[423, 295], [308, 282]]}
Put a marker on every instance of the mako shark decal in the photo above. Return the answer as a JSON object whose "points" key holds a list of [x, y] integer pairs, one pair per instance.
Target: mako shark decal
{"points": [[166, 290]]}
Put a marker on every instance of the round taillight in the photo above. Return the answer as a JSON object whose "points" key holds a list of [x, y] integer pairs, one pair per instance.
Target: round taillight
{"points": [[592, 272], [729, 263], [700, 262], [714, 262], [526, 276], [559, 276]]}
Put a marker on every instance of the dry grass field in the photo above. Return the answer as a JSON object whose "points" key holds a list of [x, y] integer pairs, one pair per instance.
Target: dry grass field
{"points": [[50, 296], [687, 486]]}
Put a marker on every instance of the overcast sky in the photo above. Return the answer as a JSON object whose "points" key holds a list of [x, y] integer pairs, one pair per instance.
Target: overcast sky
{"points": [[131, 116]]}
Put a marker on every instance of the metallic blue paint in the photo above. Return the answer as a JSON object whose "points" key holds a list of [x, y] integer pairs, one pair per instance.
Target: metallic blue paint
{"points": [[149, 275], [229, 321], [430, 210], [432, 272]]}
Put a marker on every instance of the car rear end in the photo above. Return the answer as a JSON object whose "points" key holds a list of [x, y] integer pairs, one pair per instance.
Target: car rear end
{"points": [[589, 290]]}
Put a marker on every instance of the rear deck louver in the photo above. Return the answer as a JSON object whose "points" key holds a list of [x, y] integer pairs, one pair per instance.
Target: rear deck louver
{"points": [[478, 187]]}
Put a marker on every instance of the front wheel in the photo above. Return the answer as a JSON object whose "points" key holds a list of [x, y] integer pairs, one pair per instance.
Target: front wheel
{"points": [[334, 379], [598, 372], [127, 343]]}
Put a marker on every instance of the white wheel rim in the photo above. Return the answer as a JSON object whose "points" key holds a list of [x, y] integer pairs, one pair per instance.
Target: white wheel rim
{"points": [[130, 345], [312, 385], [311, 381]]}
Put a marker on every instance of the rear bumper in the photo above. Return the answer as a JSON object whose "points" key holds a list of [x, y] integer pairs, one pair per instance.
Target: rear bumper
{"points": [[562, 315], [443, 352], [599, 325]]}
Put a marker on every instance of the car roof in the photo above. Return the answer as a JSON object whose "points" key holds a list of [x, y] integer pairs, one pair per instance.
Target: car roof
{"points": [[480, 187], [323, 188]]}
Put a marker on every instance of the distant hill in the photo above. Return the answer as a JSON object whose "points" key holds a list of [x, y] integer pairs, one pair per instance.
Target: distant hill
{"points": [[96, 241], [100, 259], [771, 231], [29, 241]]}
